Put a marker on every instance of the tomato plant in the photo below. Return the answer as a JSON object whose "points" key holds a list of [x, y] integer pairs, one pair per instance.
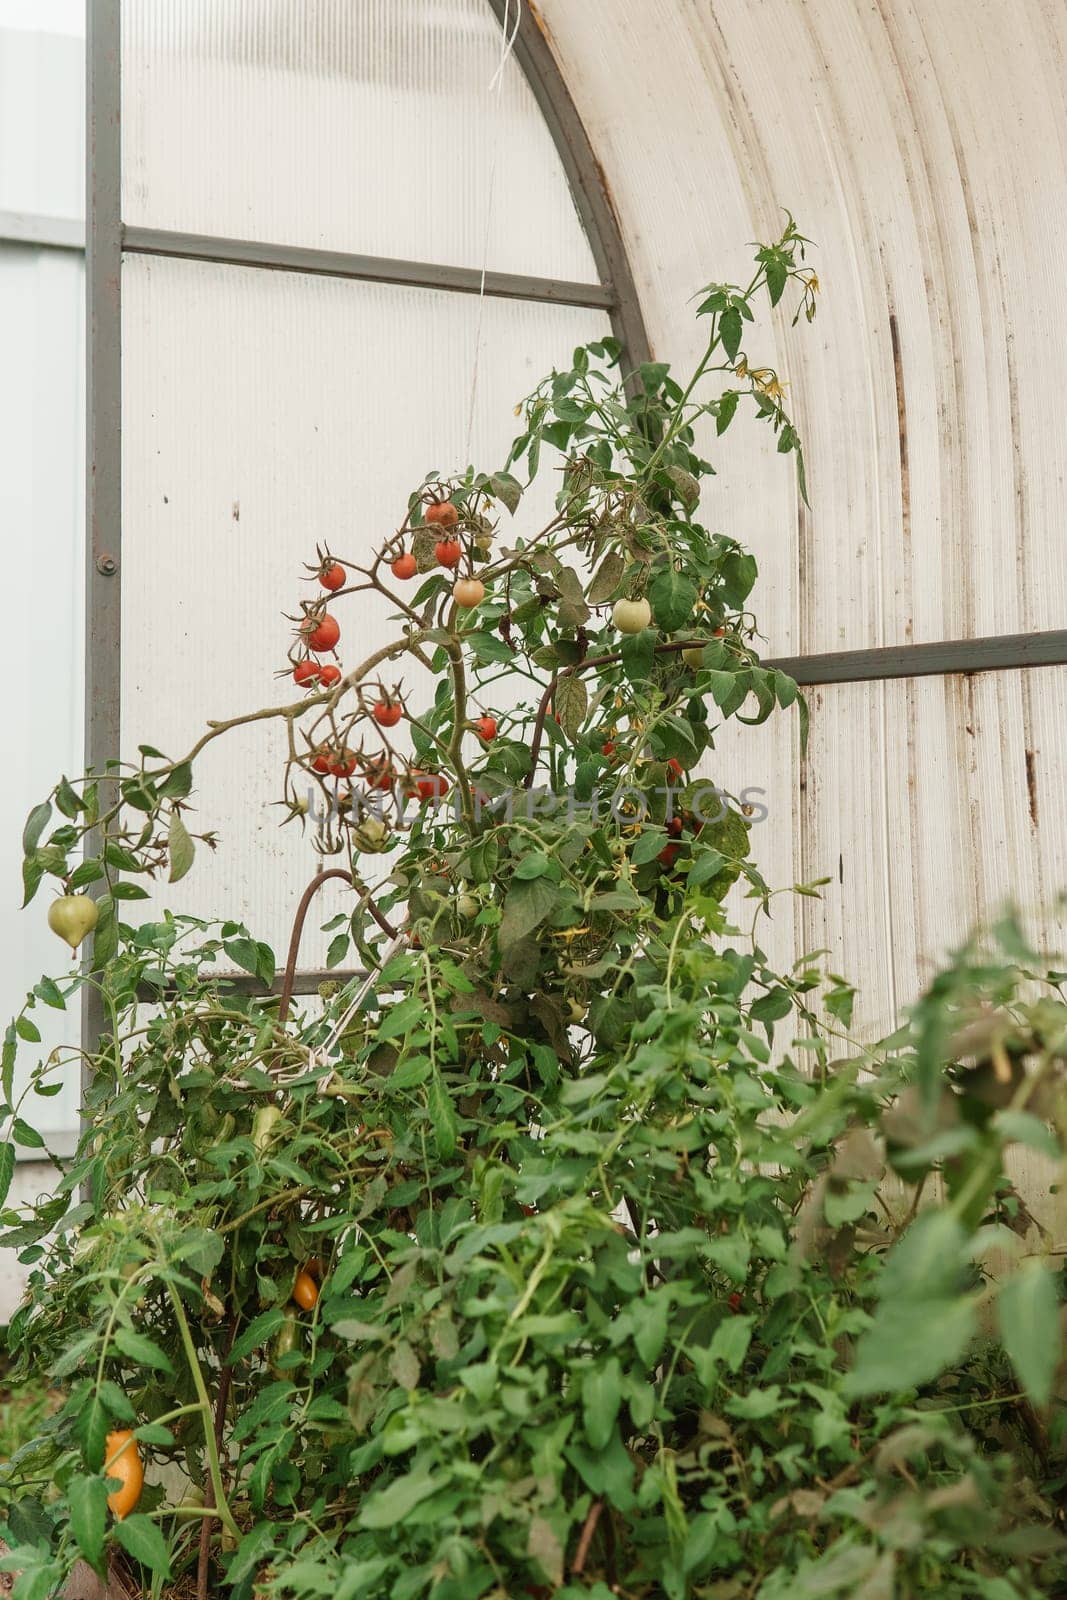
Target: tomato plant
{"points": [[560, 1244]]}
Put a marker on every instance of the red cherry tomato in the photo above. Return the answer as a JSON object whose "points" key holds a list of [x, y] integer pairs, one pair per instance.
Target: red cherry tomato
{"points": [[321, 633], [428, 785], [735, 1302], [329, 674], [675, 768], [448, 552], [669, 855], [674, 827], [387, 713], [405, 566], [485, 728], [379, 775], [306, 672], [342, 764], [608, 747], [321, 761], [442, 514], [332, 575]]}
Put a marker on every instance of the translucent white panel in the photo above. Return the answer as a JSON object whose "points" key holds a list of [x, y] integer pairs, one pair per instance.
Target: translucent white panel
{"points": [[44, 16], [925, 157], [361, 125], [929, 805], [262, 413], [41, 544], [42, 118]]}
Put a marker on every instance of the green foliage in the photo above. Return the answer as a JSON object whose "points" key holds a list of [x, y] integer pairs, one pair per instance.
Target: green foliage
{"points": [[610, 1293]]}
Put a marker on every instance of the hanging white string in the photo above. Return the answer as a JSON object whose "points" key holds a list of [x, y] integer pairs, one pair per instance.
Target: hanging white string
{"points": [[508, 36]]}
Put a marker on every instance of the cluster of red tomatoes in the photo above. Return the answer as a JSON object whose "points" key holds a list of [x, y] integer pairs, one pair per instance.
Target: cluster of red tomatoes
{"points": [[443, 517], [320, 634]]}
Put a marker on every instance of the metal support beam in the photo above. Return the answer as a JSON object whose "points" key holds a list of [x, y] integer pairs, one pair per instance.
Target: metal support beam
{"points": [[103, 543], [44, 233], [368, 269], [1002, 653], [585, 176]]}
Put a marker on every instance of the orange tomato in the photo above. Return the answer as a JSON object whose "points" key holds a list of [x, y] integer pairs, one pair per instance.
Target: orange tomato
{"points": [[305, 1291], [442, 514], [469, 592], [448, 552], [122, 1460]]}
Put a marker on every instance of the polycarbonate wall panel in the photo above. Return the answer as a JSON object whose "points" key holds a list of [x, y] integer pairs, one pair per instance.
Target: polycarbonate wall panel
{"points": [[42, 425], [264, 412], [42, 112], [359, 125], [924, 155], [930, 805]]}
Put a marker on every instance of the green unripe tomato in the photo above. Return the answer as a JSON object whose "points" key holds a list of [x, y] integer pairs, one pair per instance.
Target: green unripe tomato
{"points": [[371, 835], [72, 916], [694, 657], [631, 616], [468, 907], [264, 1122], [288, 1339]]}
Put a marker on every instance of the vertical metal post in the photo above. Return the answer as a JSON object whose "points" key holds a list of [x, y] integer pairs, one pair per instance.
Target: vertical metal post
{"points": [[103, 584]]}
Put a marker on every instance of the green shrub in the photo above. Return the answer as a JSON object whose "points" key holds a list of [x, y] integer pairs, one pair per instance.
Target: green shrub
{"points": [[604, 1291]]}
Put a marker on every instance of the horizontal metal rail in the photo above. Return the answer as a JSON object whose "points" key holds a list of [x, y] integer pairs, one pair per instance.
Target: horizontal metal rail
{"points": [[366, 269], [1000, 653], [45, 233]]}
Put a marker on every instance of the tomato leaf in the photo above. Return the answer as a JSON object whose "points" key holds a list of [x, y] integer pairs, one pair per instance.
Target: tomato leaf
{"points": [[527, 905], [142, 1350], [607, 578], [673, 596], [1029, 1313], [180, 847], [7, 1169], [601, 1399], [141, 1538], [730, 331], [443, 1115], [259, 1330], [570, 702], [87, 1497], [36, 823], [106, 934]]}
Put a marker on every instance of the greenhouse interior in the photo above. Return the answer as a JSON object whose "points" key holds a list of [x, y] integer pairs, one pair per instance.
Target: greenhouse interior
{"points": [[535, 1005]]}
